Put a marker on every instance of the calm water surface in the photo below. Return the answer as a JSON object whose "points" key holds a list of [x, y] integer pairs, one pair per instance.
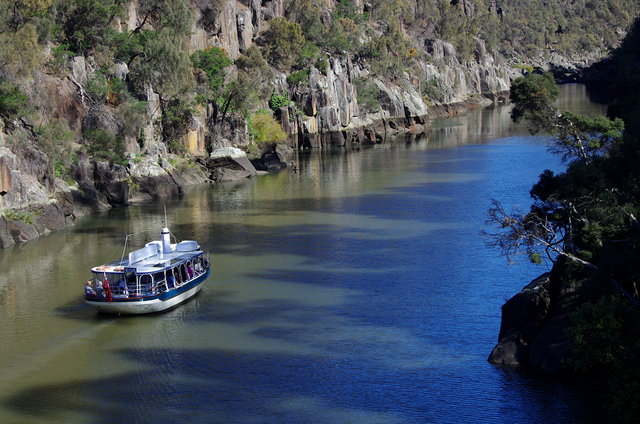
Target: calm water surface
{"points": [[357, 290]]}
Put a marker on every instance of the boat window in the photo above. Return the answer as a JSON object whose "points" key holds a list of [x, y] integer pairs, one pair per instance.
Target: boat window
{"points": [[183, 271], [158, 276], [111, 277], [177, 276], [146, 283]]}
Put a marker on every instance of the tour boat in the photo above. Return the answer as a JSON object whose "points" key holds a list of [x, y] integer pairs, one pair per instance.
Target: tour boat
{"points": [[155, 278]]}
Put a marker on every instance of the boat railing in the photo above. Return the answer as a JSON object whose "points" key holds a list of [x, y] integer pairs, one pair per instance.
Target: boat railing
{"points": [[148, 285]]}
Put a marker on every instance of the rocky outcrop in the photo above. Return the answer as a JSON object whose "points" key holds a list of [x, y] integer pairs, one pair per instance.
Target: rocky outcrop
{"points": [[88, 195], [5, 177], [6, 239], [534, 321], [230, 164], [112, 180], [154, 180], [522, 318]]}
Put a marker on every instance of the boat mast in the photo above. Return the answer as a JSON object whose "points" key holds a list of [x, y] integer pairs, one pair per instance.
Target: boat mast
{"points": [[125, 247], [166, 235]]}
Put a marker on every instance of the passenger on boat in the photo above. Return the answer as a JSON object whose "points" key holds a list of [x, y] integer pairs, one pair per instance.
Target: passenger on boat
{"points": [[88, 289], [171, 281], [122, 288], [190, 271], [100, 292]]}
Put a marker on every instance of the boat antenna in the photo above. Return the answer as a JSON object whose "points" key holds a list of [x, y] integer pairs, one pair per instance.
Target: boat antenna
{"points": [[125, 247], [166, 222]]}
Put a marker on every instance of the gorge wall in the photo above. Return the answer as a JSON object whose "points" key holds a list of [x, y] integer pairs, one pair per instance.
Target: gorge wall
{"points": [[115, 117]]}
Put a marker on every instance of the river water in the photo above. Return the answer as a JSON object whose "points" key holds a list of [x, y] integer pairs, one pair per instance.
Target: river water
{"points": [[357, 290]]}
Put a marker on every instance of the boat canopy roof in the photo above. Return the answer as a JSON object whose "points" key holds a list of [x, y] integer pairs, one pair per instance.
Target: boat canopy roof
{"points": [[151, 259]]}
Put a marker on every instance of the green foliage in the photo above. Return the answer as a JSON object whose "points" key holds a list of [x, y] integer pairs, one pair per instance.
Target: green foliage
{"points": [[176, 120], [264, 129], [55, 140], [296, 77], [605, 337], [533, 96], [212, 62], [98, 86], [322, 63], [25, 217], [390, 54], [104, 145], [13, 102], [173, 14], [341, 38], [278, 100], [164, 63], [524, 67], [86, 23], [20, 51], [61, 55], [133, 114], [307, 14], [368, 94], [283, 42], [578, 137], [433, 90], [586, 137], [348, 9]]}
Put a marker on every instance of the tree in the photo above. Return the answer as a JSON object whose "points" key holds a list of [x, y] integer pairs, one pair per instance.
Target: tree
{"points": [[577, 137], [13, 102], [582, 214], [212, 61], [23, 11], [283, 42], [20, 52], [174, 14], [86, 23]]}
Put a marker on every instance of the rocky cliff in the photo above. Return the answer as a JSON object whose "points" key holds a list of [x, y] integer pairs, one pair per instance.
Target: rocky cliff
{"points": [[116, 114]]}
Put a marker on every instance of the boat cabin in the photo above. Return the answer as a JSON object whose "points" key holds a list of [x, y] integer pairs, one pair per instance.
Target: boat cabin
{"points": [[149, 271]]}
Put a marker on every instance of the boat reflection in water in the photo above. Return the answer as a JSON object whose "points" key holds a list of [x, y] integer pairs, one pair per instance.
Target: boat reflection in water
{"points": [[155, 278]]}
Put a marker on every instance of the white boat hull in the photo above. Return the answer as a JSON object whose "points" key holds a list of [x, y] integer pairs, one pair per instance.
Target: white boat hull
{"points": [[134, 307]]}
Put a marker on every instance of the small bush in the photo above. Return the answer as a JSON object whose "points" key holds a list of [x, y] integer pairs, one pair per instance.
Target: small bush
{"points": [[368, 94], [105, 145], [264, 128], [433, 90], [283, 42], [13, 102], [98, 86], [55, 139], [278, 100], [19, 216], [176, 118], [61, 55], [298, 77], [323, 64]]}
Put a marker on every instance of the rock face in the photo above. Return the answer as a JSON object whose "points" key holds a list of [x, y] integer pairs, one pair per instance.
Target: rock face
{"points": [[230, 164], [155, 180], [113, 181], [532, 331], [5, 177], [522, 318], [6, 239]]}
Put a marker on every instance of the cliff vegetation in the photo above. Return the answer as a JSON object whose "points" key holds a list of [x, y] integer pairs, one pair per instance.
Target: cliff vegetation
{"points": [[104, 101]]}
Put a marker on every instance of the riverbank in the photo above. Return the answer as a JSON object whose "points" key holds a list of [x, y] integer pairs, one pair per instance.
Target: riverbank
{"points": [[98, 185]]}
